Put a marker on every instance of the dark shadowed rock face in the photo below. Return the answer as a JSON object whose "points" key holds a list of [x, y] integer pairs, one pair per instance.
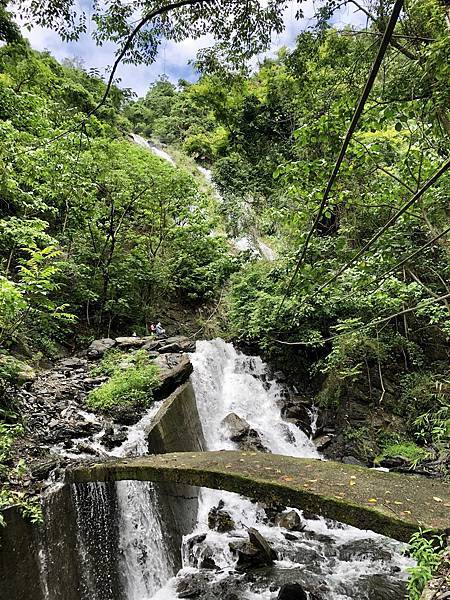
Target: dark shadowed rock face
{"points": [[292, 591], [220, 519]]}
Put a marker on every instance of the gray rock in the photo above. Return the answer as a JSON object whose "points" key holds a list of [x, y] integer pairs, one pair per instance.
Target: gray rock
{"points": [[98, 347], [72, 362], [174, 369], [289, 520], [125, 343], [237, 426], [323, 441], [368, 549], [177, 344], [242, 434]]}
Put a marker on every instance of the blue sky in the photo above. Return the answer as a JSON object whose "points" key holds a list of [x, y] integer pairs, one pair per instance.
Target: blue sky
{"points": [[173, 57]]}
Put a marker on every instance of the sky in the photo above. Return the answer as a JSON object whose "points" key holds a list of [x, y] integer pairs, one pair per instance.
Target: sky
{"points": [[173, 58]]}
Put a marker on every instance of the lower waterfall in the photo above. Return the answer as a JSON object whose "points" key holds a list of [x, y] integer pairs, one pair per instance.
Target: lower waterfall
{"points": [[227, 381], [122, 541]]}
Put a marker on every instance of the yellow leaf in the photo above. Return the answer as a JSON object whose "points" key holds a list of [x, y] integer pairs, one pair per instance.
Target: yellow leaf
{"points": [[372, 500]]}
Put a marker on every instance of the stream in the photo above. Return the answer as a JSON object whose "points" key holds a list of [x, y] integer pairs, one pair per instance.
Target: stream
{"points": [[330, 560]]}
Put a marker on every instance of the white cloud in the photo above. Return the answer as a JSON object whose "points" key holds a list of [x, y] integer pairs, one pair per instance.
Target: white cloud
{"points": [[173, 57]]}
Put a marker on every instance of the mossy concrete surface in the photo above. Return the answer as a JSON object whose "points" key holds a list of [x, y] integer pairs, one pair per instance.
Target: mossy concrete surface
{"points": [[388, 503]]}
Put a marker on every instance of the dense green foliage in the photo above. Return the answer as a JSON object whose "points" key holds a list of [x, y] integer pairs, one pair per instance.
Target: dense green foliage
{"points": [[97, 235], [428, 550], [272, 139]]}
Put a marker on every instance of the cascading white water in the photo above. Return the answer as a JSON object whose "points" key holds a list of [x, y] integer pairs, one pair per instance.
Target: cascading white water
{"points": [[227, 381], [143, 561]]}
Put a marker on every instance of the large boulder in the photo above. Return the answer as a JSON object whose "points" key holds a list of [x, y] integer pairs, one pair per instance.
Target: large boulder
{"points": [[242, 434], [174, 369], [127, 343], [289, 520], [98, 347], [236, 426], [255, 553], [178, 343]]}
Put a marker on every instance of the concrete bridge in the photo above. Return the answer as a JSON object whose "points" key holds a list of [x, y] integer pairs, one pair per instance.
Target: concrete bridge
{"points": [[388, 503]]}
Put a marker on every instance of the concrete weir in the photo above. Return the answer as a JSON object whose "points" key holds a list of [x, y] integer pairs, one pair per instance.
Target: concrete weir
{"points": [[388, 503]]}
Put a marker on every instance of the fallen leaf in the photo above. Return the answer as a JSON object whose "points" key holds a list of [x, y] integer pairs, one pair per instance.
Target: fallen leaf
{"points": [[372, 500], [437, 499]]}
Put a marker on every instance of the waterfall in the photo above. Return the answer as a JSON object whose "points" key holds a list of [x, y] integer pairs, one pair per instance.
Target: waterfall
{"points": [[144, 564], [123, 524], [123, 549], [227, 381]]}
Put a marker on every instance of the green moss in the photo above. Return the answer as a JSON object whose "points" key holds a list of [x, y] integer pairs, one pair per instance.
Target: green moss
{"points": [[130, 387], [406, 449]]}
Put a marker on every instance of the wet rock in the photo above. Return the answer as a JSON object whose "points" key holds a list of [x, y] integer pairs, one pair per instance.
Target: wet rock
{"points": [[323, 441], [296, 410], [368, 549], [189, 588], [242, 434], [254, 553], [290, 537], [272, 510], [257, 540], [290, 520], [376, 587], [112, 439], [220, 519], [236, 426], [98, 347], [41, 469], [292, 591], [174, 369]]}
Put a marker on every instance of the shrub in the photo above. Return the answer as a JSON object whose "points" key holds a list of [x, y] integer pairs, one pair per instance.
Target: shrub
{"points": [[131, 387], [408, 450]]}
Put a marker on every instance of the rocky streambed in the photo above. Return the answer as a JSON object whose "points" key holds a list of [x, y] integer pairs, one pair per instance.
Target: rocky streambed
{"points": [[59, 427]]}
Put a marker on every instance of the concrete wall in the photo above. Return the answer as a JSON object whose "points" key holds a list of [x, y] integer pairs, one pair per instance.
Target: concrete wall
{"points": [[176, 428], [39, 562]]}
